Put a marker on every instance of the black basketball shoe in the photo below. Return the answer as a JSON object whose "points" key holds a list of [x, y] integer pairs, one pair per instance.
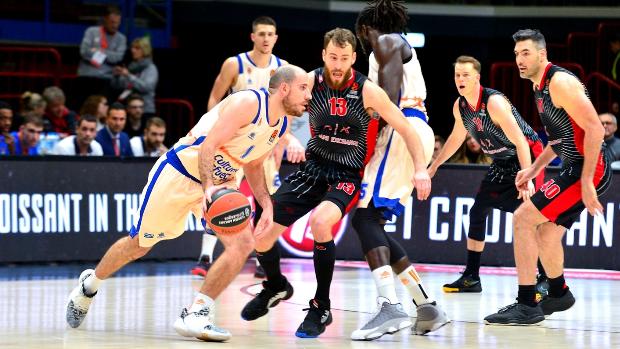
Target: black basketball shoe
{"points": [[318, 318], [466, 283], [550, 304], [267, 298]]}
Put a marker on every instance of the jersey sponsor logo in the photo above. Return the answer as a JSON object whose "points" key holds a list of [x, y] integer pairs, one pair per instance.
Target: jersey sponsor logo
{"points": [[222, 169], [478, 122], [550, 189], [272, 138], [348, 188]]}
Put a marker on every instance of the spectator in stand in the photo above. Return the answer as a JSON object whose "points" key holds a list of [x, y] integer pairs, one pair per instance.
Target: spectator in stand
{"points": [[25, 140], [83, 143], [610, 123], [58, 117], [30, 103], [439, 142], [470, 153], [614, 47], [140, 76], [7, 142], [152, 143], [113, 140], [135, 118], [101, 49], [96, 105]]}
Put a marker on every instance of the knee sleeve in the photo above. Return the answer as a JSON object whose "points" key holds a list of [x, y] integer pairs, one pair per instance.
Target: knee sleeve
{"points": [[478, 221], [367, 224], [397, 252]]}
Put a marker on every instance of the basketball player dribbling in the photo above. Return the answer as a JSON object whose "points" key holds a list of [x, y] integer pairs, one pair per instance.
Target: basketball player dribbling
{"points": [[250, 70], [344, 117], [238, 132], [393, 65]]}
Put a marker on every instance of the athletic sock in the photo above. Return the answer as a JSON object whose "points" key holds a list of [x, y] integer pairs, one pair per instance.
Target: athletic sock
{"points": [[208, 245], [91, 284], [384, 280], [270, 260], [201, 301], [557, 287], [527, 295], [473, 264], [324, 261], [410, 278]]}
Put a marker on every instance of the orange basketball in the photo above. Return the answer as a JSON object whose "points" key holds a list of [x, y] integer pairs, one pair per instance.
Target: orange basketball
{"points": [[229, 211]]}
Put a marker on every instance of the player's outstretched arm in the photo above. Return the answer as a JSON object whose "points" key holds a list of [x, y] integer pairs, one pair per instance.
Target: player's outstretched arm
{"points": [[453, 143], [224, 81]]}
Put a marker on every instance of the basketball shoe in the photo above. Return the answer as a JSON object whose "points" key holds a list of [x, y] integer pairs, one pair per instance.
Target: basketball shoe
{"points": [[516, 314], [200, 325], [389, 319], [202, 267], [318, 318], [550, 304], [79, 301], [430, 317], [267, 298], [542, 287], [259, 272], [466, 283]]}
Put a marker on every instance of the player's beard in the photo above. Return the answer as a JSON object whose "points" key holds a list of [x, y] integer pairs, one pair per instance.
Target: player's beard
{"points": [[328, 76], [289, 108]]}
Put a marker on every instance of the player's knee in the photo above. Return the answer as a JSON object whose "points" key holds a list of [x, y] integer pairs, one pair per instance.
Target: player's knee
{"points": [[131, 248], [369, 230], [321, 227], [477, 231], [522, 216]]}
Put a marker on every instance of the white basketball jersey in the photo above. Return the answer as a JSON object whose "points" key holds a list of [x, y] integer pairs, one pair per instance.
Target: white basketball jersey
{"points": [[413, 89], [251, 76], [249, 143]]}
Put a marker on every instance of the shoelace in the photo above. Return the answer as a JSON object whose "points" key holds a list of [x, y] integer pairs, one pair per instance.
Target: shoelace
{"points": [[508, 307], [76, 312]]}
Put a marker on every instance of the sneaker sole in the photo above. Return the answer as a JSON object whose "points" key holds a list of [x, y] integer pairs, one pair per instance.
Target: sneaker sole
{"points": [[390, 330], [559, 310], [433, 329], [207, 338], [459, 290], [538, 323]]}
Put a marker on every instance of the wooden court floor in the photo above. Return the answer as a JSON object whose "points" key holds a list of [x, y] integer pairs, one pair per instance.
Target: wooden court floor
{"points": [[137, 309]]}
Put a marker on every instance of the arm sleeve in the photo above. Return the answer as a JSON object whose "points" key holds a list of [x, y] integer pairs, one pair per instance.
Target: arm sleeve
{"points": [[146, 81], [116, 54], [88, 42]]}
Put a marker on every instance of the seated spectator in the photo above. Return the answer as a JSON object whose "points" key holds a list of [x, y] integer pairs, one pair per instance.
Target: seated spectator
{"points": [[96, 105], [101, 49], [152, 143], [113, 140], [27, 138], [140, 76], [439, 142], [610, 123], [58, 117], [470, 153], [30, 103], [135, 118], [7, 142], [83, 143]]}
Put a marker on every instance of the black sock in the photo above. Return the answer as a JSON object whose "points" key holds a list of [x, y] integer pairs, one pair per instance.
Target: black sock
{"points": [[557, 287], [473, 264], [324, 260], [270, 261], [527, 295], [541, 270]]}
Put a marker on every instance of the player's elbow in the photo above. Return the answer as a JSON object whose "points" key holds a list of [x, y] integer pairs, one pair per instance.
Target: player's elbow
{"points": [[595, 130]]}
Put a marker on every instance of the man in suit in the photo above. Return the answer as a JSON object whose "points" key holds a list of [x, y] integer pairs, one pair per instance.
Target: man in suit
{"points": [[113, 140]]}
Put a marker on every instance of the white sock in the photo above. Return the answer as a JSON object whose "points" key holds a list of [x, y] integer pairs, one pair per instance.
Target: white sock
{"points": [[208, 245], [413, 283], [384, 279], [200, 302], [91, 284]]}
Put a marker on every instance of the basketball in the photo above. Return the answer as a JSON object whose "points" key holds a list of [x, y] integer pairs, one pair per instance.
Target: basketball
{"points": [[229, 211]]}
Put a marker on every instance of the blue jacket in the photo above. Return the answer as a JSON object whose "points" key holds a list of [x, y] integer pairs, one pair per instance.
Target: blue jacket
{"points": [[104, 138]]}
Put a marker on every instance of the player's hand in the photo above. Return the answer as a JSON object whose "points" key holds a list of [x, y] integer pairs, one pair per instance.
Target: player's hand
{"points": [[295, 152], [422, 183], [431, 171], [210, 190], [590, 198], [523, 177], [527, 193], [264, 225]]}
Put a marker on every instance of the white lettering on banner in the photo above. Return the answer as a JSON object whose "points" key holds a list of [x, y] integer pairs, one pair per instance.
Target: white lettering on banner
{"points": [[39, 213], [461, 217], [582, 226], [5, 211], [98, 213], [604, 227], [24, 222], [433, 233]]}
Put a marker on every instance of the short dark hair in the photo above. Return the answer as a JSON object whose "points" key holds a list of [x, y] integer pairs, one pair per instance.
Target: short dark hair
{"points": [[134, 97], [116, 106], [265, 20], [386, 16], [155, 121], [469, 59], [33, 119], [5, 105], [112, 10], [340, 37], [86, 118], [530, 34]]}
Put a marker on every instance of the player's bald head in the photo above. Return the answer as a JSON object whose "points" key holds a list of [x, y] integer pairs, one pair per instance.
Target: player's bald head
{"points": [[285, 74]]}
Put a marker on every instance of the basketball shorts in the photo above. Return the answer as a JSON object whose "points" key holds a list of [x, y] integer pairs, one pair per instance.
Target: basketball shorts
{"points": [[168, 197], [559, 199], [387, 177], [313, 183]]}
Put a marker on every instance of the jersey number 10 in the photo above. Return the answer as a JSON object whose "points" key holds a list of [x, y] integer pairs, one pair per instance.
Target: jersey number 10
{"points": [[338, 106]]}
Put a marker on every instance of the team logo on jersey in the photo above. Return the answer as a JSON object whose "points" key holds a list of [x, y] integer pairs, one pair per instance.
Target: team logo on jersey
{"points": [[252, 135], [539, 105], [478, 122], [273, 71], [272, 138], [298, 238], [482, 111], [354, 87]]}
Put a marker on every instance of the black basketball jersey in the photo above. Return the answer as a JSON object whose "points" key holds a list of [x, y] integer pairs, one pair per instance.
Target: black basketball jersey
{"points": [[491, 137], [565, 136], [342, 131]]}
